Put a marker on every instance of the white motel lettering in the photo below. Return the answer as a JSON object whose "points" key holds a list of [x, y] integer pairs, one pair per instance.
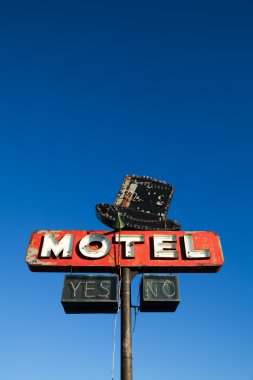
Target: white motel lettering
{"points": [[164, 246]]}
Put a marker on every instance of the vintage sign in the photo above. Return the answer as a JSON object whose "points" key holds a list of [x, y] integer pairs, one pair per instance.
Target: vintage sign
{"points": [[159, 293], [142, 204], [90, 294], [106, 251]]}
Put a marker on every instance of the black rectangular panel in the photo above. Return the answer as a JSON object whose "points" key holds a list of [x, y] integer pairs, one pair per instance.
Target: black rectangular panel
{"points": [[159, 293], [90, 294]]}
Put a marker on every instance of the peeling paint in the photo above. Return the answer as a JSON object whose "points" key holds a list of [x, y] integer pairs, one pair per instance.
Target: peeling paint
{"points": [[32, 259]]}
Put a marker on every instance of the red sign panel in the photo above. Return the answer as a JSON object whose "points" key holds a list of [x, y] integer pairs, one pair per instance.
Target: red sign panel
{"points": [[105, 251]]}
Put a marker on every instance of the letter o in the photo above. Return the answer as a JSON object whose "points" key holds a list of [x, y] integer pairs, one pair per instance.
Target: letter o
{"points": [[85, 250], [170, 287]]}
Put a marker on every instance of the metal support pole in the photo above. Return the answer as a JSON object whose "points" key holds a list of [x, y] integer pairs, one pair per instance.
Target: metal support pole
{"points": [[126, 326]]}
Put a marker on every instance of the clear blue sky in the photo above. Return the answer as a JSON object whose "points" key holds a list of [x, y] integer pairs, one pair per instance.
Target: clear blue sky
{"points": [[90, 92]]}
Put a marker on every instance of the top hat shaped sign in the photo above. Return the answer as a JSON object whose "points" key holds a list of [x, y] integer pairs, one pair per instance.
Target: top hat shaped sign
{"points": [[141, 204]]}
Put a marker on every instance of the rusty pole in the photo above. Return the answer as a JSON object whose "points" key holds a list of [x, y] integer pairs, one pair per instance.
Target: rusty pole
{"points": [[126, 326]]}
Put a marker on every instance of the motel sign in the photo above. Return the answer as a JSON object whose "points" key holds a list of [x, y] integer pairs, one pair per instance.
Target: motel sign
{"points": [[105, 251], [143, 241]]}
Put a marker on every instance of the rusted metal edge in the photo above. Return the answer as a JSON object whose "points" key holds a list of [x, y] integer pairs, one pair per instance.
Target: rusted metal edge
{"points": [[38, 267]]}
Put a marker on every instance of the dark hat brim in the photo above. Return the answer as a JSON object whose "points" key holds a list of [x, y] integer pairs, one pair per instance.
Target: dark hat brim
{"points": [[134, 219]]}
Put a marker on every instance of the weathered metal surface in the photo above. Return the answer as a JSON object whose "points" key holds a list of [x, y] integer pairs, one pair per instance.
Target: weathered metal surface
{"points": [[159, 293], [90, 294], [126, 326], [142, 203], [144, 251]]}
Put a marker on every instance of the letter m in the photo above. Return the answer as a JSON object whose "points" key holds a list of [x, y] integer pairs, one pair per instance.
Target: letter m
{"points": [[52, 245]]}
